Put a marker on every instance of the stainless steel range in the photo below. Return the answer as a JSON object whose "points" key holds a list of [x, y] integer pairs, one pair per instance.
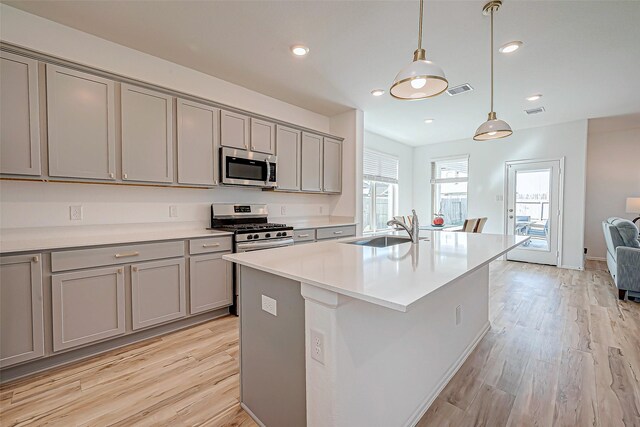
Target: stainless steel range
{"points": [[251, 230]]}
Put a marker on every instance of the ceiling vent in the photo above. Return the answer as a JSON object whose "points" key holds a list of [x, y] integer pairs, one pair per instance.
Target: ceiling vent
{"points": [[459, 89], [535, 110]]}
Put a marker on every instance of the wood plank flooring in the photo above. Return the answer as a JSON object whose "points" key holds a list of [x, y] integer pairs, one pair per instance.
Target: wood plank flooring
{"points": [[562, 351]]}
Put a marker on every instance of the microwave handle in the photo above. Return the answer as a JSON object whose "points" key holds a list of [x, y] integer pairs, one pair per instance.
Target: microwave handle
{"points": [[268, 170]]}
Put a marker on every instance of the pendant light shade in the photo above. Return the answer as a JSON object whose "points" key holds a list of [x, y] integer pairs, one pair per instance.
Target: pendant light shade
{"points": [[493, 128], [421, 78]]}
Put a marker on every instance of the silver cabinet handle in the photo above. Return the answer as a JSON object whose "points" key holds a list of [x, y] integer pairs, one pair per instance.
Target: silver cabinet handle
{"points": [[127, 255], [338, 232], [210, 245], [510, 216], [303, 235], [124, 176], [35, 259]]}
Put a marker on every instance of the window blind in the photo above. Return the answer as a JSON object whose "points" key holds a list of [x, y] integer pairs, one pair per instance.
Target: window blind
{"points": [[450, 170], [380, 167]]}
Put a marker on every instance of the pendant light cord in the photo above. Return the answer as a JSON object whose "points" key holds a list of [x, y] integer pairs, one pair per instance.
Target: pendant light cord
{"points": [[492, 58], [420, 25]]}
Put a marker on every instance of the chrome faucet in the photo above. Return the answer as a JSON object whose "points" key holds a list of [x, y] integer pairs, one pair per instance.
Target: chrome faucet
{"points": [[414, 232]]}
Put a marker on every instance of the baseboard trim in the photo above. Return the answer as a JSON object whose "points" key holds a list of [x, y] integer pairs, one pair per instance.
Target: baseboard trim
{"points": [[426, 404], [571, 267], [596, 258], [251, 414]]}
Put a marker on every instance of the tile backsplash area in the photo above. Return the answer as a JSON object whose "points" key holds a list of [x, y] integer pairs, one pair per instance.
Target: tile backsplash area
{"points": [[38, 204]]}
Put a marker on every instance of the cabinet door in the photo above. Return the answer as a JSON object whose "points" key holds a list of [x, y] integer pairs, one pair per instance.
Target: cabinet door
{"points": [[21, 327], [234, 130], [332, 166], [263, 136], [147, 135], [19, 116], [288, 152], [157, 292], [87, 306], [81, 124], [311, 162], [211, 282], [198, 133]]}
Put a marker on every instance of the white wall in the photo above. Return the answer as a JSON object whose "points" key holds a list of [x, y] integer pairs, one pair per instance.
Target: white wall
{"points": [[404, 153], [34, 204], [613, 174], [486, 176]]}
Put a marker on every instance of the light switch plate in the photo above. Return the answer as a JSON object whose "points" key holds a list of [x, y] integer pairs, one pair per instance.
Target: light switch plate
{"points": [[173, 211], [75, 213], [269, 305]]}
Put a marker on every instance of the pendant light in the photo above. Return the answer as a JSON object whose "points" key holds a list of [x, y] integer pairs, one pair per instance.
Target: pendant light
{"points": [[493, 128], [420, 79]]}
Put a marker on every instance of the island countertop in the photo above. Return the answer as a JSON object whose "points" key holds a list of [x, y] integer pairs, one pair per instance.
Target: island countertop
{"points": [[395, 277]]}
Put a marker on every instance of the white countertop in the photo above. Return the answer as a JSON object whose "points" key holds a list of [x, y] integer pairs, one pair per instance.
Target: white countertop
{"points": [[394, 277], [27, 240]]}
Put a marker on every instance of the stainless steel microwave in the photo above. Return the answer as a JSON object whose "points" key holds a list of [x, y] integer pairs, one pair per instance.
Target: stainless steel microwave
{"points": [[240, 167]]}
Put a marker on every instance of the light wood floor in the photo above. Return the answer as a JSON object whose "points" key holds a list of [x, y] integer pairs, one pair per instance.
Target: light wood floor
{"points": [[562, 351]]}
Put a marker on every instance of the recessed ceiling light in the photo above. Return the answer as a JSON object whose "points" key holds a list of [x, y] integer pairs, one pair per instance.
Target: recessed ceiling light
{"points": [[428, 121], [534, 97], [510, 47], [299, 50], [377, 92]]}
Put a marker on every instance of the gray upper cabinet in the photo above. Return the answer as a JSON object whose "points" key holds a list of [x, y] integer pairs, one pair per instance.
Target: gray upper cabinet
{"points": [[158, 292], [87, 306], [332, 166], [81, 124], [19, 116], [198, 134], [263, 136], [311, 162], [234, 130], [147, 135], [288, 142], [21, 305], [210, 283]]}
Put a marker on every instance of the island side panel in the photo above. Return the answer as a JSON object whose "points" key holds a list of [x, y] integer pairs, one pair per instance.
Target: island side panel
{"points": [[272, 350], [385, 367]]}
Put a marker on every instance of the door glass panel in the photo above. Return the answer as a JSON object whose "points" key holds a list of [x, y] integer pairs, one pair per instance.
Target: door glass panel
{"points": [[532, 208]]}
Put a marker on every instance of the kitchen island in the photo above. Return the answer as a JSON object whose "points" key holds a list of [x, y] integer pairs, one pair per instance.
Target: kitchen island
{"points": [[343, 334]]}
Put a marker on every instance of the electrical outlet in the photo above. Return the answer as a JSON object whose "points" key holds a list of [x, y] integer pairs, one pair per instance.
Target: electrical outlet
{"points": [[173, 211], [75, 213], [283, 210], [317, 346], [458, 314], [269, 305]]}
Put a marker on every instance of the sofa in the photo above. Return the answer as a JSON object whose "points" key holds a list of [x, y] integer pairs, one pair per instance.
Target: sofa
{"points": [[623, 256]]}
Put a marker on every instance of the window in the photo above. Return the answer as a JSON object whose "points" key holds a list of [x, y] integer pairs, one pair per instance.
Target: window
{"points": [[449, 178], [379, 190]]}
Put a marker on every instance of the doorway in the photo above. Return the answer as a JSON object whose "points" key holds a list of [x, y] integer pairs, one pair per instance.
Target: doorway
{"points": [[534, 200]]}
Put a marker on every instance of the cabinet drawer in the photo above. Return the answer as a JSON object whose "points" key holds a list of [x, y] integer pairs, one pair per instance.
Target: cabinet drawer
{"points": [[208, 245], [305, 235], [87, 258], [336, 232]]}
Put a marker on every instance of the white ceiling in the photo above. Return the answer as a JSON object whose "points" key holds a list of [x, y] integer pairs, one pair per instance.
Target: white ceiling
{"points": [[583, 56]]}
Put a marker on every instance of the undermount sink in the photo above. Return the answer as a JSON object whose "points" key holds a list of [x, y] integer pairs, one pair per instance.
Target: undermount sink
{"points": [[381, 242]]}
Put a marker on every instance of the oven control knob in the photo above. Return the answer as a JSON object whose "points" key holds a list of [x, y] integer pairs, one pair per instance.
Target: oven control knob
{"points": [[267, 235], [255, 236], [284, 233], [249, 237], [278, 234]]}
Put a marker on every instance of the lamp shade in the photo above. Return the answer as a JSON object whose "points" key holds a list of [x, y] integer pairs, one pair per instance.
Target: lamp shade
{"points": [[493, 128], [633, 205], [419, 80]]}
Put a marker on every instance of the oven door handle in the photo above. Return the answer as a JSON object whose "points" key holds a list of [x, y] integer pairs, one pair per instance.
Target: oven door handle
{"points": [[265, 245]]}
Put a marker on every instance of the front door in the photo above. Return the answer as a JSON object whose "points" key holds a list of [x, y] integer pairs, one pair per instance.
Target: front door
{"points": [[533, 209]]}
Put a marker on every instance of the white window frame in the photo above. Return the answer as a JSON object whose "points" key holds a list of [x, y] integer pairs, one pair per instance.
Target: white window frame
{"points": [[372, 180], [435, 181]]}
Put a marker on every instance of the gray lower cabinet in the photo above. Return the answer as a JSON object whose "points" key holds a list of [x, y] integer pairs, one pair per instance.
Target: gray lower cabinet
{"points": [[80, 124], [311, 162], [332, 166], [158, 292], [263, 136], [147, 135], [288, 142], [210, 282], [21, 306], [198, 140], [19, 116], [87, 306], [234, 130]]}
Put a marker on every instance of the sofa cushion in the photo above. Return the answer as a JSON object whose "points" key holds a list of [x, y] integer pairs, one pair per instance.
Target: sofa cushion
{"points": [[628, 231]]}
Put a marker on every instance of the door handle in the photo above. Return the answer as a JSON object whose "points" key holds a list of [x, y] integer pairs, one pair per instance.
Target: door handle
{"points": [[510, 210], [510, 216]]}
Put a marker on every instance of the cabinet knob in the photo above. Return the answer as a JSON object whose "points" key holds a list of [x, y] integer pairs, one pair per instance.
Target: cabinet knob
{"points": [[120, 271], [253, 147], [124, 176], [134, 268], [215, 182], [111, 175], [35, 259]]}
